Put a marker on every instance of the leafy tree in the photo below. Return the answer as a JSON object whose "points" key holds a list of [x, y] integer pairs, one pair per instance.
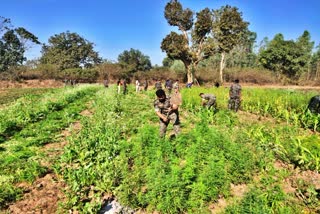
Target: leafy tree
{"points": [[193, 44], [167, 62], [13, 44], [263, 45], [315, 63], [242, 55], [282, 56], [133, 61], [305, 46], [177, 66], [69, 50], [229, 29]]}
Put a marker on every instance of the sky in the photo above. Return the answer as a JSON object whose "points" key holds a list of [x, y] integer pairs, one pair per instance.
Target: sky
{"points": [[118, 25]]}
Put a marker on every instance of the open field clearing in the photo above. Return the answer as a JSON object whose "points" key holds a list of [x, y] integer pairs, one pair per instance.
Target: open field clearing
{"points": [[99, 146]]}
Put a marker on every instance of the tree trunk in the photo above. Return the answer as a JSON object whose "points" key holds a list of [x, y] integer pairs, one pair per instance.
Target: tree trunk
{"points": [[317, 71], [222, 64], [189, 74]]}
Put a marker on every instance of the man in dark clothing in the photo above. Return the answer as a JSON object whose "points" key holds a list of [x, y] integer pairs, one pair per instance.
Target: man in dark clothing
{"points": [[235, 96], [158, 85], [145, 85], [166, 111], [314, 104], [169, 85], [106, 83], [208, 100], [124, 86]]}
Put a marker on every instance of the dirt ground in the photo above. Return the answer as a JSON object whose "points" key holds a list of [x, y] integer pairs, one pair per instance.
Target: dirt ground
{"points": [[45, 194], [31, 84]]}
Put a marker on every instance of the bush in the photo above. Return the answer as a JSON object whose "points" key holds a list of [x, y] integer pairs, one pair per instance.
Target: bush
{"points": [[249, 75], [80, 75]]}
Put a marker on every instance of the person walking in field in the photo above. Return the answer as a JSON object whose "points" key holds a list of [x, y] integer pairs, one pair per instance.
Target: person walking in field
{"points": [[125, 90], [176, 97], [119, 86], [146, 84], [158, 85], [166, 111], [168, 85], [137, 85], [235, 96], [176, 85], [106, 83], [208, 100]]}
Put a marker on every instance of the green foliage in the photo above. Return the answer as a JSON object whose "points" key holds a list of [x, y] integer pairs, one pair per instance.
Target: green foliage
{"points": [[177, 16], [8, 193], [286, 56], [13, 44], [80, 74], [176, 47], [133, 61], [27, 109], [228, 28], [21, 156], [190, 50], [263, 200], [178, 67], [115, 152], [69, 50], [167, 62]]}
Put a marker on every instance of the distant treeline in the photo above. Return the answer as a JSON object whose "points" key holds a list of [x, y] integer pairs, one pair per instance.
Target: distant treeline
{"points": [[70, 56]]}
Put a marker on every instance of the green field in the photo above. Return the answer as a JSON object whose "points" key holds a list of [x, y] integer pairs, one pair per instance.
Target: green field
{"points": [[9, 95], [118, 151]]}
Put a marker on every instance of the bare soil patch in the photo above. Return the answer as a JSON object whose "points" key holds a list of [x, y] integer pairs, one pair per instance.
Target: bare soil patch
{"points": [[42, 197], [31, 84], [237, 192], [45, 194]]}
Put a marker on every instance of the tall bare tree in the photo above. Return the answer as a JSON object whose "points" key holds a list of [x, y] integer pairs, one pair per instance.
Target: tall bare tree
{"points": [[193, 44]]}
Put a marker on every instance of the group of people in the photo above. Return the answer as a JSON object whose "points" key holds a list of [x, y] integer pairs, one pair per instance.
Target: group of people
{"points": [[209, 100], [122, 84], [141, 86], [166, 108]]}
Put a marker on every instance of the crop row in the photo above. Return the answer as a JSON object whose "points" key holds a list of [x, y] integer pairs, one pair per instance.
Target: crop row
{"points": [[287, 108], [119, 152], [30, 109], [22, 156], [286, 105]]}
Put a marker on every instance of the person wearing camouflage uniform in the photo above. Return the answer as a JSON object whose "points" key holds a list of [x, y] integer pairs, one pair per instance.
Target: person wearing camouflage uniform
{"points": [[158, 85], [234, 96], [125, 90], [314, 104], [166, 111], [208, 100]]}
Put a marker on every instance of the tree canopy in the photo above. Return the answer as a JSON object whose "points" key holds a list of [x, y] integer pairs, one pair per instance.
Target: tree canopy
{"points": [[134, 60], [69, 50], [229, 30], [287, 56], [211, 32], [13, 44], [193, 44]]}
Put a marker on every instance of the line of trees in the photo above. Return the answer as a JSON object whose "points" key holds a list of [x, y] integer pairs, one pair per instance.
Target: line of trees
{"points": [[212, 39], [221, 38]]}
